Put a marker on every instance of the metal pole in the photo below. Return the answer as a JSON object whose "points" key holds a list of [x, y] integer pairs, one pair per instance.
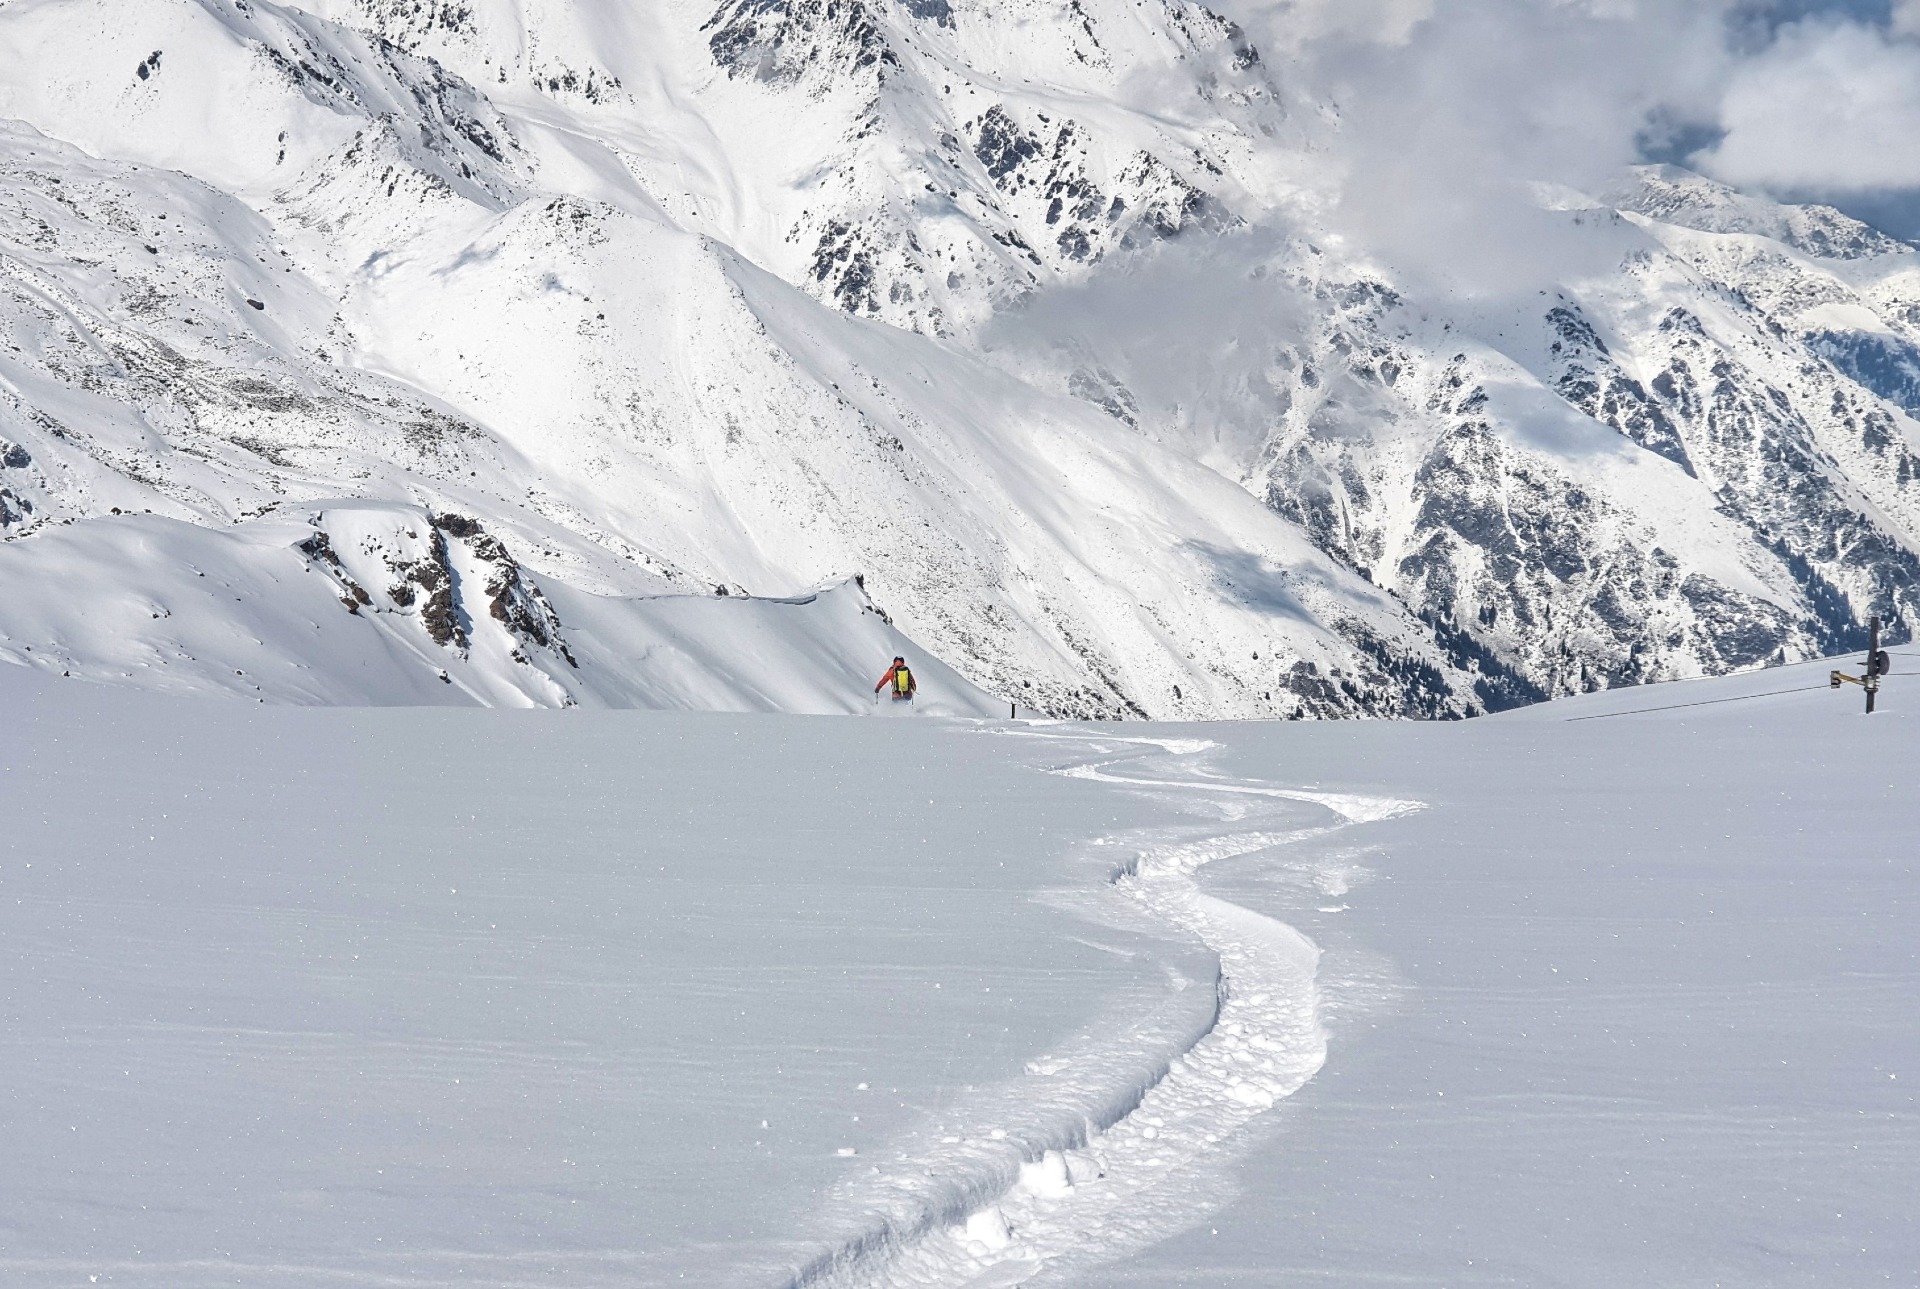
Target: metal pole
{"points": [[1873, 662]]}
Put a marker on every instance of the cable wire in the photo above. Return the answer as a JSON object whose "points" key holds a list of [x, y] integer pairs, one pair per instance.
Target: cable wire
{"points": [[1705, 702]]}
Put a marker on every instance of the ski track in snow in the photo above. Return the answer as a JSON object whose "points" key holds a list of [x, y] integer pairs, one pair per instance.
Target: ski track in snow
{"points": [[1133, 1180]]}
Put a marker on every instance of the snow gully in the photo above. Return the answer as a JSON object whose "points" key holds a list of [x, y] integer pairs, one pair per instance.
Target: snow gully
{"points": [[1150, 1171]]}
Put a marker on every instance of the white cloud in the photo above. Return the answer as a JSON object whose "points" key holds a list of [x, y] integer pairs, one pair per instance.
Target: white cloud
{"points": [[1449, 110], [1825, 109], [1292, 23], [1449, 113]]}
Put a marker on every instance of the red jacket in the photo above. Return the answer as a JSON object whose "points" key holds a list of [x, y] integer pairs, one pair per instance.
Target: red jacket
{"points": [[898, 669]]}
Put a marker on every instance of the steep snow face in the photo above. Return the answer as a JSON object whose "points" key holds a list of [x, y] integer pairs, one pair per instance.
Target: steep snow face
{"points": [[1024, 313], [923, 163], [242, 95], [618, 403]]}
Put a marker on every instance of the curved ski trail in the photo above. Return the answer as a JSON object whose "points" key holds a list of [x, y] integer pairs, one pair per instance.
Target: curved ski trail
{"points": [[1105, 1189]]}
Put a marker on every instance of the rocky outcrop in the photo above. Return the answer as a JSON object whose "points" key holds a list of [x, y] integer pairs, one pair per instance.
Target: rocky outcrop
{"points": [[444, 572]]}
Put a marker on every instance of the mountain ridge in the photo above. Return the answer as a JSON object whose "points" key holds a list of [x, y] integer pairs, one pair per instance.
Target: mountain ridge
{"points": [[1075, 374]]}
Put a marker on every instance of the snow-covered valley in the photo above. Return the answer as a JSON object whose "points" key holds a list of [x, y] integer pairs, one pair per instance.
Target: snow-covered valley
{"points": [[388, 997]]}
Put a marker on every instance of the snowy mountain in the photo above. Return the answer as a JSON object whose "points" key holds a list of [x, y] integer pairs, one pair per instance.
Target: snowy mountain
{"points": [[480, 348]]}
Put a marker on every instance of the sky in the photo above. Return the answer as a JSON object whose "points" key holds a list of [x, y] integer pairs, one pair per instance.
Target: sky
{"points": [[1800, 99]]}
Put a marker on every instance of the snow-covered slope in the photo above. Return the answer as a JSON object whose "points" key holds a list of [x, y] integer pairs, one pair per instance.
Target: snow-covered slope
{"points": [[362, 604], [350, 997], [1026, 315]]}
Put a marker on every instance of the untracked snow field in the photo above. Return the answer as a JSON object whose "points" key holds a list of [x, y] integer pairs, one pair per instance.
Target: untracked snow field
{"points": [[1590, 995]]}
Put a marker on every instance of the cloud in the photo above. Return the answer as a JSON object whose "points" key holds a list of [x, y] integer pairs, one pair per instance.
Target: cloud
{"points": [[1187, 333], [1447, 115], [1450, 113], [1827, 109], [1288, 25]]}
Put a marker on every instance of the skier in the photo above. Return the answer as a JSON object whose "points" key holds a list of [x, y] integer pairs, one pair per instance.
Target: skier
{"points": [[904, 685]]}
